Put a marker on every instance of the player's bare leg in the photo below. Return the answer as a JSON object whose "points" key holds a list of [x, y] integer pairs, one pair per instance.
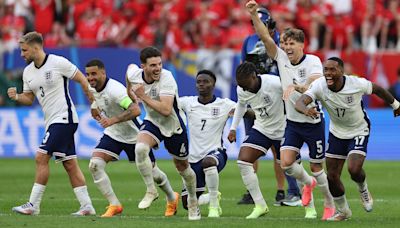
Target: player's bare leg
{"points": [[334, 168], [41, 177], [357, 173], [78, 183]]}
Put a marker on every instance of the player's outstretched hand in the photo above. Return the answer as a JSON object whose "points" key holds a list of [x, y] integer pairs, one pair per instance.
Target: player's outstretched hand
{"points": [[252, 7], [232, 136], [396, 112], [312, 112]]}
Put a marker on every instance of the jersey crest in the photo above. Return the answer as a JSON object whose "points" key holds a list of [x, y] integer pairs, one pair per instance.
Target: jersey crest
{"points": [[215, 111], [349, 99], [267, 100], [153, 92], [48, 77], [302, 73]]}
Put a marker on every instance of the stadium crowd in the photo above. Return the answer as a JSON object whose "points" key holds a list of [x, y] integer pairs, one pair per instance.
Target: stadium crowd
{"points": [[181, 25], [206, 26]]}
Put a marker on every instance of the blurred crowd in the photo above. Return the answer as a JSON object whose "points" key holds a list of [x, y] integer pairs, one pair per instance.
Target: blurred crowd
{"points": [[214, 28], [179, 25]]}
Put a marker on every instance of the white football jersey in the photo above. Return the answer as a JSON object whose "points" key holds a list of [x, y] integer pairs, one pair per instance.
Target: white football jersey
{"points": [[166, 86], [267, 105], [206, 124], [345, 108], [50, 83], [297, 74], [109, 100]]}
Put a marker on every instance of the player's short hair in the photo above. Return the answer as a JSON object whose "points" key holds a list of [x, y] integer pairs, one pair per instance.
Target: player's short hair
{"points": [[95, 62], [208, 72], [339, 61], [245, 69], [149, 52], [294, 34], [32, 38]]}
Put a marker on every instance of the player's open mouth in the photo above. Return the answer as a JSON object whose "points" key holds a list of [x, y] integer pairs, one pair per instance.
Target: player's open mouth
{"points": [[329, 80]]}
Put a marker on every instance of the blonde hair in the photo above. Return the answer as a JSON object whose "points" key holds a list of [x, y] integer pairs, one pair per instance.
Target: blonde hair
{"points": [[32, 38]]}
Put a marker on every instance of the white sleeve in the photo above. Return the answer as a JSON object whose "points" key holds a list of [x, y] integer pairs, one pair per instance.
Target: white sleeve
{"points": [[316, 67], [25, 87], [184, 102], [280, 55], [118, 92], [131, 73], [366, 86], [314, 90], [240, 110], [168, 85], [230, 104], [66, 68]]}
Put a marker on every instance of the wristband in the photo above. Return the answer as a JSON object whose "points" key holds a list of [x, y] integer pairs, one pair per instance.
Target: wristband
{"points": [[16, 97], [395, 105], [94, 105]]}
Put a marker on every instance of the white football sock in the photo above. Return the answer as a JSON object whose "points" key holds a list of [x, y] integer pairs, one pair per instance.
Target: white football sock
{"points": [[250, 180], [36, 194], [189, 180], [144, 166], [212, 182], [341, 203], [297, 171], [322, 182], [162, 180], [102, 181], [82, 195]]}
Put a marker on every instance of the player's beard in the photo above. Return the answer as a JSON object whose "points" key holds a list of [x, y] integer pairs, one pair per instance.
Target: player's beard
{"points": [[28, 60]]}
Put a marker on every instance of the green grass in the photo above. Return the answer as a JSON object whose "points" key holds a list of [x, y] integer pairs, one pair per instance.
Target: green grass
{"points": [[16, 179]]}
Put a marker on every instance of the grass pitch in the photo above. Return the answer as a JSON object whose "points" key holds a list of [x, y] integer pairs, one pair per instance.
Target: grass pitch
{"points": [[16, 179]]}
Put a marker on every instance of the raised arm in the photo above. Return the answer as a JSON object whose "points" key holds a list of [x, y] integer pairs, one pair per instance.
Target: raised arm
{"points": [[261, 29], [25, 98], [387, 97], [301, 106]]}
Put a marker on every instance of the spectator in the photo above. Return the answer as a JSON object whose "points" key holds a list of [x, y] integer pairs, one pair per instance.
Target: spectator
{"points": [[371, 25], [44, 13], [391, 24]]}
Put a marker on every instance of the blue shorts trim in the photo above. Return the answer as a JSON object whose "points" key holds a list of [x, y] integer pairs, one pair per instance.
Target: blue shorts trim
{"points": [[114, 148], [177, 145], [59, 141], [342, 148], [221, 158]]}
